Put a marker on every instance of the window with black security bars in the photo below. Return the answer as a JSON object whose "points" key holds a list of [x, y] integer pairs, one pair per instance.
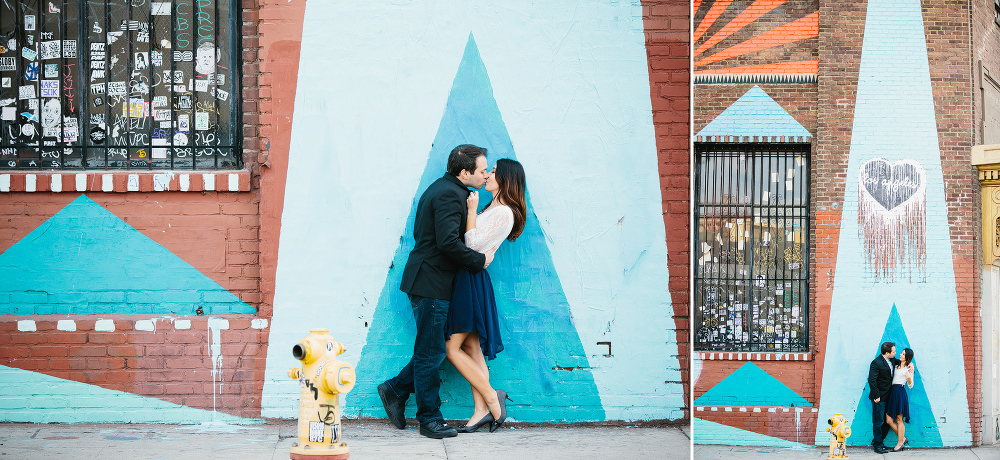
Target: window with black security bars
{"points": [[120, 84], [751, 276]]}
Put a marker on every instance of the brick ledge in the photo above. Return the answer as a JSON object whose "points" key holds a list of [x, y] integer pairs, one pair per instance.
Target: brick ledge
{"points": [[125, 181], [760, 409], [755, 356]]}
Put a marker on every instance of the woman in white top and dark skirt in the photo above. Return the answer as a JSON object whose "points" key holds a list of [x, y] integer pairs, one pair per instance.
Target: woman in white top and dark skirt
{"points": [[473, 327], [897, 411]]}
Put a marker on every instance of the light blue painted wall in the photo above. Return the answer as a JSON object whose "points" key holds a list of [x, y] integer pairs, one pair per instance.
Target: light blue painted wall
{"points": [[894, 119], [571, 85], [85, 260]]}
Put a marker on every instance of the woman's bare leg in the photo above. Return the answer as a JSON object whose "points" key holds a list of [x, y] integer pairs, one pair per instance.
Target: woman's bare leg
{"points": [[472, 372], [901, 432], [472, 348], [892, 424]]}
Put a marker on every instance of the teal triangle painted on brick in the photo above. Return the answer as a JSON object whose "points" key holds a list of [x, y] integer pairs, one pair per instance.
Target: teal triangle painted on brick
{"points": [[922, 430], [32, 397], [751, 386], [754, 114], [537, 330], [85, 260], [706, 432]]}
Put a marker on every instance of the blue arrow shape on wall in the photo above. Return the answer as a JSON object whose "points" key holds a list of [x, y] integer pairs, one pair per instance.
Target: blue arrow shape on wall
{"points": [[543, 366]]}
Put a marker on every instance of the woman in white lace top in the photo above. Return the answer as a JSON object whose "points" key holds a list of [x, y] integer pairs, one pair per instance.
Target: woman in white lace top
{"points": [[473, 326], [897, 411]]}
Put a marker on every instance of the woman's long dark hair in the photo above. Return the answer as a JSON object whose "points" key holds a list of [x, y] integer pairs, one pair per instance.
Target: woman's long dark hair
{"points": [[510, 180], [907, 356]]}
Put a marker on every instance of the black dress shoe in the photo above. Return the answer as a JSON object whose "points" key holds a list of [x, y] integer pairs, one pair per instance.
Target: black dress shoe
{"points": [[437, 430], [393, 405], [486, 420], [880, 449]]}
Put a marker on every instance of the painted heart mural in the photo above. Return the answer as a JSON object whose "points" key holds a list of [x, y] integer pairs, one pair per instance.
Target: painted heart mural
{"points": [[892, 219]]}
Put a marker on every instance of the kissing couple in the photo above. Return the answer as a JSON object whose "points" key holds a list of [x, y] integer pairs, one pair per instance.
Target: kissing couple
{"points": [[451, 293]]}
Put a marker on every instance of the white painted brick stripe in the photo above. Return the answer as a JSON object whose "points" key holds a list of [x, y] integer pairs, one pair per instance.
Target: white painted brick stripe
{"points": [[108, 325], [774, 409], [754, 139], [161, 181], [754, 356]]}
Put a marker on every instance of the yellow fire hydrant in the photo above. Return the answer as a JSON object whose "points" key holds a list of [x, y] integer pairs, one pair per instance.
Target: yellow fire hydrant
{"points": [[839, 432], [322, 379]]}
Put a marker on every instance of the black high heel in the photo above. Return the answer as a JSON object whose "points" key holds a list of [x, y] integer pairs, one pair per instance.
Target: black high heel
{"points": [[486, 420], [502, 396]]}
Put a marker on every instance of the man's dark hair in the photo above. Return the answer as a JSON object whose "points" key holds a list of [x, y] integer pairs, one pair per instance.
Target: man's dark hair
{"points": [[887, 347], [463, 158]]}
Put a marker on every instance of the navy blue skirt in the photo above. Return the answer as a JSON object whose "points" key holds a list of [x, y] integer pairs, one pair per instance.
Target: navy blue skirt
{"points": [[899, 403], [474, 309]]}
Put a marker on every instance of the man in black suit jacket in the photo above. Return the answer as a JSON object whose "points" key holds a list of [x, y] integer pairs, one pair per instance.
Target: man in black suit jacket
{"points": [[438, 231], [879, 383]]}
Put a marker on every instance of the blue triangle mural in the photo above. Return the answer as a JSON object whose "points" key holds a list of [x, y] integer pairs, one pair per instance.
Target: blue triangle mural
{"points": [[543, 365], [751, 386], [84, 260], [922, 430], [754, 114]]}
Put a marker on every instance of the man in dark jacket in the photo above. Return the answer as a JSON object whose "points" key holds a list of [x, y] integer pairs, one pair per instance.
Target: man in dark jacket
{"points": [[879, 383], [438, 231]]}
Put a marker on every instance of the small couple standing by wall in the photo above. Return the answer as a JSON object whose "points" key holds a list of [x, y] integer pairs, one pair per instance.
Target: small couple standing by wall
{"points": [[451, 293], [890, 404]]}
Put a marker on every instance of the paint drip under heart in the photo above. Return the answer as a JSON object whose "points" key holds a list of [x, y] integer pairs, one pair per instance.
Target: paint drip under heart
{"points": [[892, 218]]}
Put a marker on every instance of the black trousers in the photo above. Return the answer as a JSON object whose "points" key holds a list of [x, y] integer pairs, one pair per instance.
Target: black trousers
{"points": [[879, 427]]}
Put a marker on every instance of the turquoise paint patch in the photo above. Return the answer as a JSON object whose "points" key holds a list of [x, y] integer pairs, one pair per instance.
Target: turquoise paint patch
{"points": [[922, 431], [38, 398], [537, 330], [751, 386], [84, 260], [754, 114], [706, 432]]}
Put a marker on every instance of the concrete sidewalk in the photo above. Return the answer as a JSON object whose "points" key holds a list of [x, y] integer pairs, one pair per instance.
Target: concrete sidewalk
{"points": [[367, 439], [707, 452]]}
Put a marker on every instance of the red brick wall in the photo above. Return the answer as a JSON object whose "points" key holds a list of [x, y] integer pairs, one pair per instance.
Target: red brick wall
{"points": [[667, 36], [171, 364], [796, 424], [985, 37], [799, 100], [219, 233]]}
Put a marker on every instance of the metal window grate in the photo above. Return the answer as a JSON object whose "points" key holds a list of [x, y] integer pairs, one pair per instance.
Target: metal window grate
{"points": [[751, 247], [120, 84]]}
